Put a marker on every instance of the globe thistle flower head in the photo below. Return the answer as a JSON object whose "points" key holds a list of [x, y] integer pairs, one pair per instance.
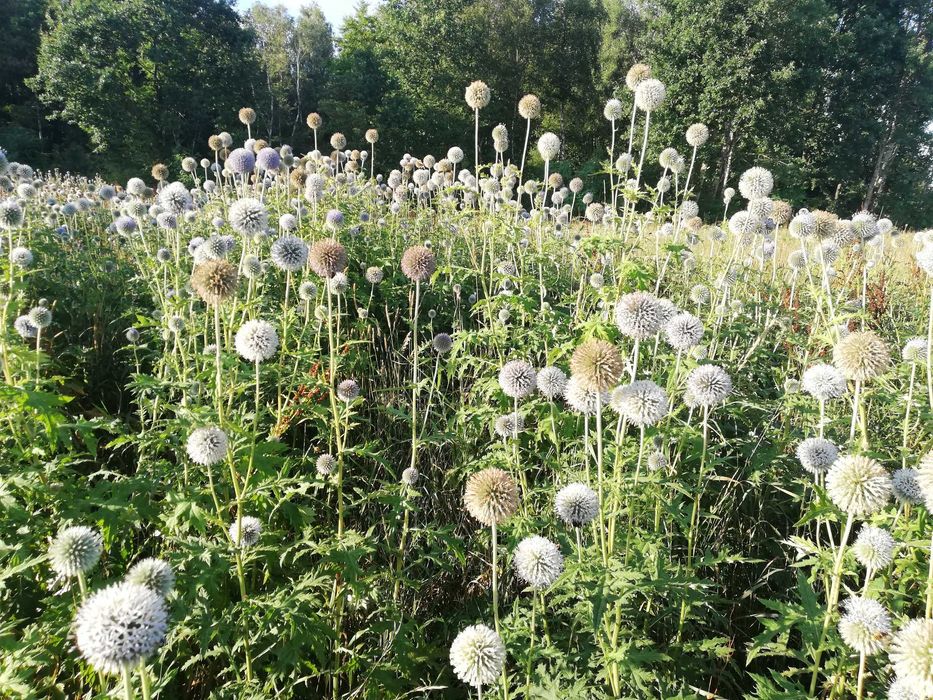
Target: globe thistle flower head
{"points": [[477, 94], [638, 315], [410, 476], [650, 94], [477, 656], [874, 547], [325, 464], [596, 364], [154, 574], [924, 257], [902, 689], [348, 390], [289, 253], [683, 331], [642, 402], [858, 485], [371, 136], [132, 335], [538, 562], [327, 257], [338, 141], [906, 487], [490, 496], [40, 317], [247, 115], [207, 446], [817, 455], [657, 460], [75, 550], [613, 110], [517, 379], [339, 283], [307, 291], [252, 267], [551, 382], [333, 220], [245, 531], [374, 275], [583, 400], [709, 385], [699, 294], [418, 263], [175, 198], [861, 356], [248, 216], [120, 626], [529, 107], [314, 121], [509, 425], [755, 183], [548, 146], [697, 134], [911, 654], [268, 159], [576, 504], [915, 350], [636, 74], [240, 161], [865, 626], [823, 382], [256, 341], [159, 172], [215, 281], [442, 343]]}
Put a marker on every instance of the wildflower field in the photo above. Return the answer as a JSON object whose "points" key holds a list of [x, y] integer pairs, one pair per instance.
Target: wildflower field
{"points": [[283, 425]]}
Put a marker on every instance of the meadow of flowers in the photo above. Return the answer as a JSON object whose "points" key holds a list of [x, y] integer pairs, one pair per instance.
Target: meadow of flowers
{"points": [[280, 425]]}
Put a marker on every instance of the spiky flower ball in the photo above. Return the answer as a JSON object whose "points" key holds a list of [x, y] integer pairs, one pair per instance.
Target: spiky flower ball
{"points": [[824, 382], [551, 382], [240, 161], [120, 626], [613, 110], [596, 364], [509, 425], [418, 263], [256, 341], [537, 561], [861, 356], [40, 317], [755, 183], [410, 476], [925, 479], [348, 390], [906, 486], [865, 626], [490, 496], [912, 655], [215, 280], [638, 315], [683, 331], [21, 257], [576, 504], [245, 532], [477, 656], [207, 446], [650, 94], [11, 214], [874, 547], [517, 379], [248, 216], [709, 385], [154, 574], [529, 107], [327, 257], [477, 94], [902, 689], [697, 134], [816, 454], [548, 146], [289, 253], [314, 121], [374, 274], [326, 463], [75, 550], [858, 485], [442, 343], [915, 350], [582, 400], [642, 402]]}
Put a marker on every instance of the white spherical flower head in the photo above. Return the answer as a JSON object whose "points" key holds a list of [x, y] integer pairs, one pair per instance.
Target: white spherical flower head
{"points": [[75, 550], [289, 253], [21, 257], [551, 382], [120, 626], [477, 656], [256, 341], [824, 382], [650, 94], [248, 216], [912, 655], [348, 390], [518, 379], [697, 134], [207, 446], [906, 487], [924, 478], [326, 463], [638, 315], [410, 476], [538, 561], [40, 317], [613, 110], [548, 145], [245, 532], [902, 689], [817, 455], [925, 259], [874, 547], [709, 385], [576, 504], [509, 425], [641, 403], [374, 275], [865, 626], [683, 331], [915, 350], [583, 400], [155, 574], [756, 183], [858, 485]]}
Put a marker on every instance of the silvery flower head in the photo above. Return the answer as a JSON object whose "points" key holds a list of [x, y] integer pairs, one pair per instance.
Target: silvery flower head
{"points": [[824, 382], [248, 216], [583, 400], [874, 547], [207, 446], [865, 626], [252, 267], [537, 561], [912, 655], [858, 485], [709, 385], [906, 487], [638, 315], [517, 378], [509, 425], [683, 331], [551, 382], [339, 283], [245, 531], [477, 656], [374, 275], [410, 476], [576, 504], [442, 343], [175, 198], [642, 402], [40, 317], [348, 390], [307, 291], [256, 341], [755, 183], [915, 350], [120, 626], [75, 550], [155, 574], [325, 464], [817, 455], [289, 253], [21, 257]]}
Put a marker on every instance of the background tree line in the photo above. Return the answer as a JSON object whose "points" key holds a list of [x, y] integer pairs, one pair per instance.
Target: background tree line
{"points": [[835, 96]]}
